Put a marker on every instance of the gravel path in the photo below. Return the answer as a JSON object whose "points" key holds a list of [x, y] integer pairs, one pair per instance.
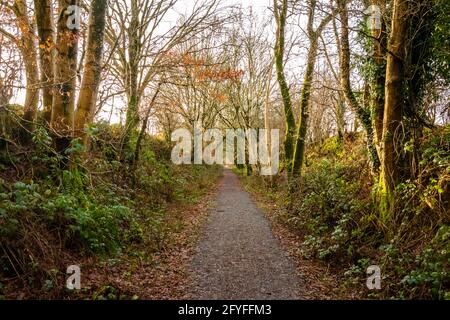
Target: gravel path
{"points": [[238, 256]]}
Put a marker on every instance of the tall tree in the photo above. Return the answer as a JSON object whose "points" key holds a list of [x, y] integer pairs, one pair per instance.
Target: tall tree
{"points": [[394, 103], [280, 9], [134, 32], [313, 36], [362, 113], [65, 74], [92, 67], [46, 32]]}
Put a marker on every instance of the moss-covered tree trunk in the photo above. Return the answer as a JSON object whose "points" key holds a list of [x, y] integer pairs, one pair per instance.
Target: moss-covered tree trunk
{"points": [[378, 80], [362, 113], [394, 105], [299, 152], [313, 35], [132, 87], [280, 10], [340, 118]]}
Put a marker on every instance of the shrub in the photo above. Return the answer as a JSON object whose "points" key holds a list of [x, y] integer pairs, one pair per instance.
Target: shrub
{"points": [[431, 276], [79, 218], [332, 209]]}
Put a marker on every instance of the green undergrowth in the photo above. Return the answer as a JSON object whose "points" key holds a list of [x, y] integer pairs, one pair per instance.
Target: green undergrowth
{"points": [[95, 205], [334, 210]]}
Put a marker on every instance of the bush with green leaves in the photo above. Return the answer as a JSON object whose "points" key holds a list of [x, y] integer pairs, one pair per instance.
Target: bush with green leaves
{"points": [[334, 209], [77, 217], [431, 275], [331, 208]]}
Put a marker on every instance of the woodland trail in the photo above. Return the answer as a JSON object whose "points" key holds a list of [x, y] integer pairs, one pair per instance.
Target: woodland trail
{"points": [[238, 256]]}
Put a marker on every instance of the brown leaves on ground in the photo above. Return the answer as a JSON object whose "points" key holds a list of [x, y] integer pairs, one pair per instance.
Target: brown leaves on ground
{"points": [[145, 274]]}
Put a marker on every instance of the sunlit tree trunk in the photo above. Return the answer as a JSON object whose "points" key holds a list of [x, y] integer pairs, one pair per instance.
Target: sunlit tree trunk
{"points": [[46, 32], [280, 10], [92, 68], [65, 77], [29, 55], [394, 104]]}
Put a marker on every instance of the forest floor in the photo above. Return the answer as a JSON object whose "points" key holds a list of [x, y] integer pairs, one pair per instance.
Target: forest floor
{"points": [[229, 247], [150, 275]]}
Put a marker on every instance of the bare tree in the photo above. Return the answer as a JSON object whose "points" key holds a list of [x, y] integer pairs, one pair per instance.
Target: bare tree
{"points": [[313, 36], [140, 42]]}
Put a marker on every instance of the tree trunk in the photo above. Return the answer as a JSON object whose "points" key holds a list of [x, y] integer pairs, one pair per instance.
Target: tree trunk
{"points": [[378, 82], [29, 56], [394, 103], [267, 123], [65, 77], [340, 118], [92, 68], [46, 32], [133, 90], [280, 16], [299, 153], [362, 114], [313, 35], [137, 150]]}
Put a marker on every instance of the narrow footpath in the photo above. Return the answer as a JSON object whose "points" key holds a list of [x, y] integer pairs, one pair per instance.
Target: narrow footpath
{"points": [[238, 256]]}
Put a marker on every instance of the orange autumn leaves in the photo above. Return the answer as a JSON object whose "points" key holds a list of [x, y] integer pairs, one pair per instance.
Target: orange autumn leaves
{"points": [[202, 70]]}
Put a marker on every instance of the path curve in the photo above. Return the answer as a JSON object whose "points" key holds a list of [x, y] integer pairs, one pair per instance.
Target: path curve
{"points": [[238, 257]]}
